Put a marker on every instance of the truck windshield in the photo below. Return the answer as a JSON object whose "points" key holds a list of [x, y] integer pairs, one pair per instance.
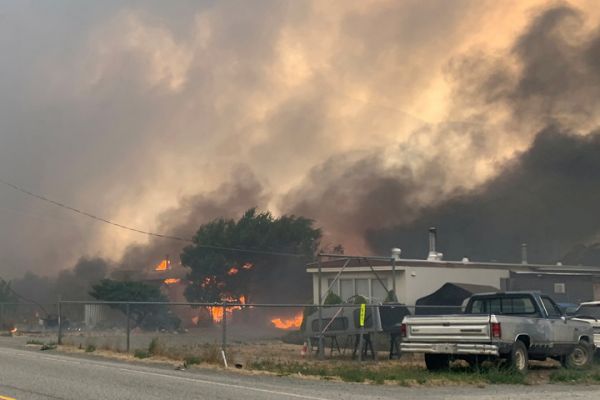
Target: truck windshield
{"points": [[588, 311], [521, 305]]}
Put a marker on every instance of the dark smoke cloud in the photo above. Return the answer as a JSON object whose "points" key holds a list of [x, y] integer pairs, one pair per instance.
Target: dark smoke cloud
{"points": [[543, 194], [230, 200], [547, 197], [130, 109], [351, 194]]}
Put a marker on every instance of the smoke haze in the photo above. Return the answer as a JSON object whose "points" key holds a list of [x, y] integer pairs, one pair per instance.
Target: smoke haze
{"points": [[374, 118]]}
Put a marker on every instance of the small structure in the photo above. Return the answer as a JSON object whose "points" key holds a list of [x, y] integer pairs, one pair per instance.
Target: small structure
{"points": [[449, 298]]}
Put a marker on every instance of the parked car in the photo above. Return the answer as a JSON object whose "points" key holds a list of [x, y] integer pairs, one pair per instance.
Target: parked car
{"points": [[590, 313], [514, 326]]}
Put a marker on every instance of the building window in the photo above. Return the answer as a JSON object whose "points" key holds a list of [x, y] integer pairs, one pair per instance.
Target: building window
{"points": [[362, 287], [335, 288], [559, 288], [370, 288], [378, 292], [346, 288]]}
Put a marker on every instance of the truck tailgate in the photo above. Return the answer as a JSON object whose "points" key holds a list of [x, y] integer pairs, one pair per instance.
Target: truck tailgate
{"points": [[448, 328]]}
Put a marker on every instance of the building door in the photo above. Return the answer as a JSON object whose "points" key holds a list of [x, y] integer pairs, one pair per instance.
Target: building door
{"points": [[596, 291]]}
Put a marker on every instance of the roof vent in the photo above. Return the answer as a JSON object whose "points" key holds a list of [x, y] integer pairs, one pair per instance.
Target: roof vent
{"points": [[433, 254], [396, 253], [524, 253], [465, 260]]}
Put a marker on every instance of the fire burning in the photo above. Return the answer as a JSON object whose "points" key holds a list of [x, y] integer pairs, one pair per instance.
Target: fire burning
{"points": [[13, 331], [232, 271], [171, 281], [216, 313], [164, 265], [288, 323]]}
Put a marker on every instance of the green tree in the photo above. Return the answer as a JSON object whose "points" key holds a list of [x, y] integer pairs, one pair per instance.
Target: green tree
{"points": [[218, 275], [144, 315]]}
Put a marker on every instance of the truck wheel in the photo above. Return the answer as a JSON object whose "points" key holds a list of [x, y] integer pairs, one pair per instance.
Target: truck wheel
{"points": [[518, 359], [580, 357], [436, 362]]}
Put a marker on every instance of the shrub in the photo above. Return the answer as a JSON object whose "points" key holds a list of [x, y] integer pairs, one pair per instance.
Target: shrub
{"points": [[155, 348], [141, 354], [192, 360], [90, 348]]}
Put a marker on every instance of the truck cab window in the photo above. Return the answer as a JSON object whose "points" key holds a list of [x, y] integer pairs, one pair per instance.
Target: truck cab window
{"points": [[551, 308]]}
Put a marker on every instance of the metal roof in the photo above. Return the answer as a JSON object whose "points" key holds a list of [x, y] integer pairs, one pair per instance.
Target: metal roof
{"points": [[337, 261]]}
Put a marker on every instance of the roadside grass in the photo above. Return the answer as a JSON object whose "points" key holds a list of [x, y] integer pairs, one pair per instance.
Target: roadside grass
{"points": [[405, 376], [35, 342], [192, 355], [573, 376]]}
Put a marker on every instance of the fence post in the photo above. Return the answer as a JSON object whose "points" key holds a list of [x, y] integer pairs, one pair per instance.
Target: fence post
{"points": [[59, 317], [321, 349], [224, 334], [128, 327], [224, 329], [1, 315]]}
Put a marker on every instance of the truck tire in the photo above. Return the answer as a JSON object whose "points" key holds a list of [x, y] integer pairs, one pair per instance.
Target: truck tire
{"points": [[436, 362], [580, 356], [518, 358]]}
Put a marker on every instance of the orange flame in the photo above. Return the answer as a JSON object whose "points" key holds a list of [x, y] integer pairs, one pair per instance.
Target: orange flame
{"points": [[232, 271], [216, 313], [164, 265], [170, 281], [13, 330], [248, 266], [288, 323]]}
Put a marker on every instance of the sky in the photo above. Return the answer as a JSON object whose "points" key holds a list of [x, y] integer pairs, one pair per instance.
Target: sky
{"points": [[375, 118]]}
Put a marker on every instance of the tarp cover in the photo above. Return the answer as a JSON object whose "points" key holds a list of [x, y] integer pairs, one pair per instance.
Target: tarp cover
{"points": [[449, 298]]}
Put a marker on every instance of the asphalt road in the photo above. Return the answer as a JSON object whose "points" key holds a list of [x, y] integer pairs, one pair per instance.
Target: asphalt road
{"points": [[33, 375]]}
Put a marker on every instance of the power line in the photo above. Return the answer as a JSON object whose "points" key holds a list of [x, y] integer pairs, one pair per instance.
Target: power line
{"points": [[143, 232]]}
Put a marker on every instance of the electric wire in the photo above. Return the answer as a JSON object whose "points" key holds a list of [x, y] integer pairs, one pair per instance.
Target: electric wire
{"points": [[143, 232]]}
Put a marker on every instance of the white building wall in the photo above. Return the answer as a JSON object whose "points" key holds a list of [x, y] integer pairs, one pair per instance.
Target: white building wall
{"points": [[412, 283], [421, 282]]}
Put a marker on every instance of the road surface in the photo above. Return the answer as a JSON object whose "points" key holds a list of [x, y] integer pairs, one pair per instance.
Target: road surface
{"points": [[33, 375]]}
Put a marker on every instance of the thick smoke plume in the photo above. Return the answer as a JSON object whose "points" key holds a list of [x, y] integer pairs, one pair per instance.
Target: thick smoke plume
{"points": [[544, 194], [376, 119]]}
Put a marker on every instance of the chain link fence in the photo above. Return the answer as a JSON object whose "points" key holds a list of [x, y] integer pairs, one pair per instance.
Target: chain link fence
{"points": [[212, 331]]}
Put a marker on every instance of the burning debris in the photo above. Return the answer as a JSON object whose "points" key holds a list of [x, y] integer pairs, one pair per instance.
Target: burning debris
{"points": [[288, 323], [164, 265]]}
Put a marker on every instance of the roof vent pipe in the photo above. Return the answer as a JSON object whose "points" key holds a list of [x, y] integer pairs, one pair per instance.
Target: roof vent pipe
{"points": [[396, 253], [433, 254], [524, 253]]}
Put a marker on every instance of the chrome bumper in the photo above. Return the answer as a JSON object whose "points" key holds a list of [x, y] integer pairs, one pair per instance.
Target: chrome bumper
{"points": [[450, 348]]}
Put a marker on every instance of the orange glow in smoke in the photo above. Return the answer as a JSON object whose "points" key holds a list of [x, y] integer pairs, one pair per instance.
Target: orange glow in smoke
{"points": [[288, 323], [170, 281], [232, 271], [248, 266], [13, 330]]}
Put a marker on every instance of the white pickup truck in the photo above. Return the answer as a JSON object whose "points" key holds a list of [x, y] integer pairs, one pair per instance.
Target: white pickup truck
{"points": [[590, 313], [514, 326]]}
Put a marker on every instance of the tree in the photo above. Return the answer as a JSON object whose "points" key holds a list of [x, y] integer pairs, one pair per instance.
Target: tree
{"points": [[223, 275], [7, 295], [148, 316]]}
